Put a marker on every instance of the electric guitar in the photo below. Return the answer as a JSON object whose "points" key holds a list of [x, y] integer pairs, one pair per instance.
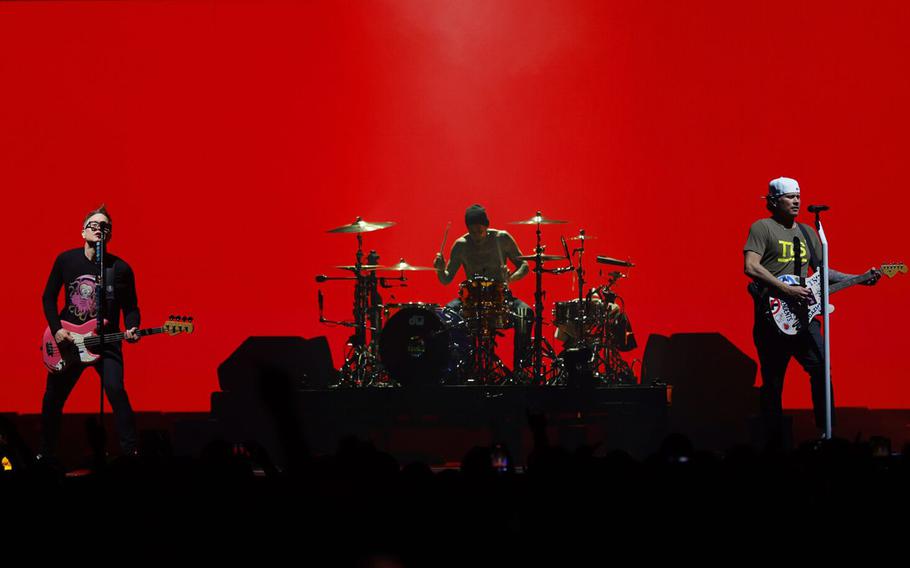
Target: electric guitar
{"points": [[787, 313], [58, 356]]}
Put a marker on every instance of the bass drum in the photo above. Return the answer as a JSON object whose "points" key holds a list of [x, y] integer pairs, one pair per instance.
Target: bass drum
{"points": [[420, 345]]}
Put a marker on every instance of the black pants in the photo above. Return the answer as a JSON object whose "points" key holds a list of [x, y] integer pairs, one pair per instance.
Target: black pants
{"points": [[774, 353], [522, 321], [110, 368]]}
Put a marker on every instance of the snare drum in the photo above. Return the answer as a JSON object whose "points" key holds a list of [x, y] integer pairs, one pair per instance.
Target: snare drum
{"points": [[484, 304]]}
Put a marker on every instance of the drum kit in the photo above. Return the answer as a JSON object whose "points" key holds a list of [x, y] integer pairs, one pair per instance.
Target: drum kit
{"points": [[424, 344]]}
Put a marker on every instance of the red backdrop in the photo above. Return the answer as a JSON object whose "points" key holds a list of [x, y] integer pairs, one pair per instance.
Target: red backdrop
{"points": [[227, 136]]}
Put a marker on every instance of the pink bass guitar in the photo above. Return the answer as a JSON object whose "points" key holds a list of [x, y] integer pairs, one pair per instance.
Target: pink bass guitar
{"points": [[58, 356]]}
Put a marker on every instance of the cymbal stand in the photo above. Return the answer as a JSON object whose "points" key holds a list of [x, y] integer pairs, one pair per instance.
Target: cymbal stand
{"points": [[361, 362], [588, 330], [540, 347]]}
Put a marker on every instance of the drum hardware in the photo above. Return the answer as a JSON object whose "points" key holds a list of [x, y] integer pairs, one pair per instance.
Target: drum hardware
{"points": [[589, 323], [362, 366], [540, 347]]}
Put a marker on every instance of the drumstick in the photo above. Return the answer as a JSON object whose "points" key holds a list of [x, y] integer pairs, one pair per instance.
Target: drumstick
{"points": [[445, 237]]}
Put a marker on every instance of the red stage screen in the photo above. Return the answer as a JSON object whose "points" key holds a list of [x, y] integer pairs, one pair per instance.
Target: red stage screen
{"points": [[226, 137]]}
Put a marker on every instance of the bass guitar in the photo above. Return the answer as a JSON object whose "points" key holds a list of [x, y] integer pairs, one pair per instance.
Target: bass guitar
{"points": [[58, 356]]}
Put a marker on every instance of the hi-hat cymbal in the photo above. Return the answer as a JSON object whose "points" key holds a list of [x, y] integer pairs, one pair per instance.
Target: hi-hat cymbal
{"points": [[543, 257], [539, 220], [402, 266], [361, 226], [363, 267]]}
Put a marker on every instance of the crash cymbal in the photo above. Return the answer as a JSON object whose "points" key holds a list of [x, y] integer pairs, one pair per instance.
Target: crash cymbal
{"points": [[363, 267], [361, 226], [539, 220], [402, 265], [581, 238], [543, 257]]}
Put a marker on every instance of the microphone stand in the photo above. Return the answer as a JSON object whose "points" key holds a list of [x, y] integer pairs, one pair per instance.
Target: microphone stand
{"points": [[100, 297], [827, 320]]}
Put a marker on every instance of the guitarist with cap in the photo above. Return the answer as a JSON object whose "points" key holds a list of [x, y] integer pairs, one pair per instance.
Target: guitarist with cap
{"points": [[76, 272], [770, 252]]}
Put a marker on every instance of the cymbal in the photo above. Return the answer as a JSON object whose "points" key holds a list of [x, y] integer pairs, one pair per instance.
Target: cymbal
{"points": [[613, 261], [581, 238], [364, 267], [361, 226], [543, 257], [539, 220], [402, 266]]}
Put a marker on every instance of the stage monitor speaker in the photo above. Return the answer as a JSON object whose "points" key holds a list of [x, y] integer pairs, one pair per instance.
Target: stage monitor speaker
{"points": [[654, 360], [303, 363]]}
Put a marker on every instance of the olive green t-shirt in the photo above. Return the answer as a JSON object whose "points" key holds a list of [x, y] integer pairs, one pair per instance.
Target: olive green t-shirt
{"points": [[774, 243]]}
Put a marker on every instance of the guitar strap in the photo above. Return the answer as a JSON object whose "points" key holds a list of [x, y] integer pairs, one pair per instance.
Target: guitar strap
{"points": [[813, 260]]}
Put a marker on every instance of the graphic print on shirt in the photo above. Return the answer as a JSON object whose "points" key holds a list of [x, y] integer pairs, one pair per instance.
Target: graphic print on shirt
{"points": [[81, 292], [786, 252]]}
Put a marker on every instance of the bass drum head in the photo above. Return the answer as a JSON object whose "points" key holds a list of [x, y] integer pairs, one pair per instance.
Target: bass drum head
{"points": [[414, 347]]}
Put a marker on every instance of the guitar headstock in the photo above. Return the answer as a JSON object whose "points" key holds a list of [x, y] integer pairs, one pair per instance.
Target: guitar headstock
{"points": [[178, 324], [890, 270]]}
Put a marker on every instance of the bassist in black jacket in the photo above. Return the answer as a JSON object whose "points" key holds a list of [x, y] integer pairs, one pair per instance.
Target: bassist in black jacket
{"points": [[75, 271]]}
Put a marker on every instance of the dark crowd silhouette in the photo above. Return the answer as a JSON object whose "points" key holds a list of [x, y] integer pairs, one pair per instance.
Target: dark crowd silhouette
{"points": [[379, 512]]}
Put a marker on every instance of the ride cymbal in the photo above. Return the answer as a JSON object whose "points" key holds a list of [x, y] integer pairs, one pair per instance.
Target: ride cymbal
{"points": [[402, 266], [361, 226], [539, 219], [543, 257]]}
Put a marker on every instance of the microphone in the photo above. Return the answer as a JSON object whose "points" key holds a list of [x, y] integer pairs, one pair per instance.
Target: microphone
{"points": [[818, 208]]}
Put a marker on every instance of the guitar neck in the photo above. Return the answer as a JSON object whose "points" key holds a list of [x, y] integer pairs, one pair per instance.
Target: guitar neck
{"points": [[119, 336], [858, 279]]}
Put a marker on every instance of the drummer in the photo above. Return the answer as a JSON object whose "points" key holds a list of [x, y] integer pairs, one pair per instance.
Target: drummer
{"points": [[484, 252]]}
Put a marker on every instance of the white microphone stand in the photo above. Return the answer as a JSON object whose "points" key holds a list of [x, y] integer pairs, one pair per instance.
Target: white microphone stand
{"points": [[827, 319]]}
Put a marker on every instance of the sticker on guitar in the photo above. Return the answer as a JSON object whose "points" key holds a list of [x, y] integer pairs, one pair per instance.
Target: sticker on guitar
{"points": [[786, 312]]}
